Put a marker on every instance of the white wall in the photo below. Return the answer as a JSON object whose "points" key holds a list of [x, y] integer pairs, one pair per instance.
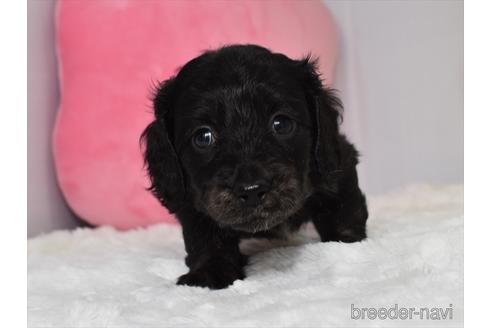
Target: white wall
{"points": [[46, 210], [400, 73]]}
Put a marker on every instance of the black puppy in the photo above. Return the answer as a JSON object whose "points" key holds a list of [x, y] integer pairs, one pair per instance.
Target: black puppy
{"points": [[245, 143]]}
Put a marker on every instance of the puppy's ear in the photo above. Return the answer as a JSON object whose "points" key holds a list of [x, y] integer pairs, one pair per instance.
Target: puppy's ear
{"points": [[161, 160], [325, 109]]}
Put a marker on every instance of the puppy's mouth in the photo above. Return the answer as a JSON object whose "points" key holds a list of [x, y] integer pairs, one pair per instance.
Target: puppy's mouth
{"points": [[256, 224], [283, 200], [235, 215]]}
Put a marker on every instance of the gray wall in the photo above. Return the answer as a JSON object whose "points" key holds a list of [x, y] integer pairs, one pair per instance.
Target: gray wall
{"points": [[400, 73], [46, 209]]}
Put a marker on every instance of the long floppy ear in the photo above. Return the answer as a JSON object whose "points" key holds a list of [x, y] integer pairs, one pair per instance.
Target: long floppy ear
{"points": [[325, 109], [161, 160]]}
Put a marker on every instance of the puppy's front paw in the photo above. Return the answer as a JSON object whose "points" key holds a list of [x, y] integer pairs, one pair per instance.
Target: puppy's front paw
{"points": [[349, 235], [213, 277]]}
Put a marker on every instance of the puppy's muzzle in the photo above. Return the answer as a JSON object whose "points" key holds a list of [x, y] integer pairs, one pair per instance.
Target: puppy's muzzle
{"points": [[251, 194], [255, 197]]}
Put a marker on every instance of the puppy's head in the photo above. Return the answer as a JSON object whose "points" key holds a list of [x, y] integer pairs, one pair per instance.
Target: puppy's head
{"points": [[243, 135]]}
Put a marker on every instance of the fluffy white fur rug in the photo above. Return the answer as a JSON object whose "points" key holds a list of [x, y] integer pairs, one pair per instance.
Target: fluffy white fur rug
{"points": [[413, 258]]}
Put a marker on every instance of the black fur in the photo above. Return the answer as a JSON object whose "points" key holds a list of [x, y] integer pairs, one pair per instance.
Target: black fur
{"points": [[309, 173]]}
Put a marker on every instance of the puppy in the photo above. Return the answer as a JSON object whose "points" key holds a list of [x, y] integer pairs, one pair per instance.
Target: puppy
{"points": [[245, 143]]}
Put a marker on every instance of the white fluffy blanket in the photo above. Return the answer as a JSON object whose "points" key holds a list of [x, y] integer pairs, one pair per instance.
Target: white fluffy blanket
{"points": [[413, 258]]}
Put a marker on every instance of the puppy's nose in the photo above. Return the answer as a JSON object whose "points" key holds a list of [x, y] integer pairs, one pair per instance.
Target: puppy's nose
{"points": [[252, 194]]}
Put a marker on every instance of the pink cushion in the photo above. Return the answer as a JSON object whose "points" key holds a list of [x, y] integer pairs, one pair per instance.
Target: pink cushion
{"points": [[112, 52]]}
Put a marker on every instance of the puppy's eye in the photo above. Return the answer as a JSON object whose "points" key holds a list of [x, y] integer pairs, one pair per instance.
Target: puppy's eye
{"points": [[282, 125], [203, 138]]}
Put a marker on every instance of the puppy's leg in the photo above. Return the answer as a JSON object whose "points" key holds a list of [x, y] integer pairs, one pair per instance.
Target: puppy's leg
{"points": [[342, 218], [213, 255]]}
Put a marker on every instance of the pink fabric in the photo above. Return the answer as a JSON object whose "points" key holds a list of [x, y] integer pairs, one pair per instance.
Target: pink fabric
{"points": [[112, 52]]}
